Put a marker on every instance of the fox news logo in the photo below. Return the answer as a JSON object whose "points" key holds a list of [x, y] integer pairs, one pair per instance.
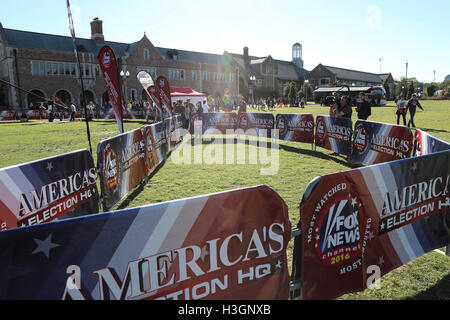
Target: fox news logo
{"points": [[243, 121], [338, 234], [282, 125], [320, 131], [111, 171], [106, 60], [360, 141]]}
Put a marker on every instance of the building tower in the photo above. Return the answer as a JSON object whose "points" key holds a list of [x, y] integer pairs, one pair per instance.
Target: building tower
{"points": [[297, 55]]}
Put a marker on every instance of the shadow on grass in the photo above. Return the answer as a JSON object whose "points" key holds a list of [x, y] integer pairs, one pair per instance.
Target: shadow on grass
{"points": [[138, 190], [440, 291], [268, 145], [434, 130]]}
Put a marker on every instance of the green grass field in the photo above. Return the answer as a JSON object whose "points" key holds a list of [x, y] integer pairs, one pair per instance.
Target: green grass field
{"points": [[425, 278]]}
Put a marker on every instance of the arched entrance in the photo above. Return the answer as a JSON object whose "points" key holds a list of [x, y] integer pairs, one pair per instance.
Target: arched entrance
{"points": [[105, 99], [36, 98], [3, 96], [89, 96], [64, 96]]}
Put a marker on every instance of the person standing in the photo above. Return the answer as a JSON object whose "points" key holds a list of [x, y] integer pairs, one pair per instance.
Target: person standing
{"points": [[401, 110], [73, 110], [302, 103], [411, 106], [51, 111], [341, 109], [205, 107], [242, 106], [199, 108], [363, 107]]}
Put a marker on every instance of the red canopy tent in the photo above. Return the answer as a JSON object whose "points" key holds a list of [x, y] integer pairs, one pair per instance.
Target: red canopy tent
{"points": [[184, 93]]}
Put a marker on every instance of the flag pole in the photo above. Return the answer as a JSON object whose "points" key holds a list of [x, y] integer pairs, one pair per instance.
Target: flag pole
{"points": [[75, 49]]}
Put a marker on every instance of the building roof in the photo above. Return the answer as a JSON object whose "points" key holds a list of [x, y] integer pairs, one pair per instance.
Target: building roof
{"points": [[384, 76], [287, 70], [194, 56], [336, 89], [347, 74], [35, 40]]}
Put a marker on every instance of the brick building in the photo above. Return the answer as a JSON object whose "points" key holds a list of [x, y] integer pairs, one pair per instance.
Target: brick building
{"points": [[271, 73], [45, 65]]}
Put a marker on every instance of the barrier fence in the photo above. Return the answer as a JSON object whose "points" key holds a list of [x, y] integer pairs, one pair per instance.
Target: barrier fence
{"points": [[231, 244]]}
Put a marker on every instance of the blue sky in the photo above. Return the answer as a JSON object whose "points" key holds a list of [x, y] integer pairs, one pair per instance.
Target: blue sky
{"points": [[350, 34]]}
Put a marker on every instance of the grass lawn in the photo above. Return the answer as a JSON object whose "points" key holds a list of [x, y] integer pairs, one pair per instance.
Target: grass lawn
{"points": [[425, 278]]}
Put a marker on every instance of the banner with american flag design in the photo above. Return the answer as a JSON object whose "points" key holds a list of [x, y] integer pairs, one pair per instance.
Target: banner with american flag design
{"points": [[384, 215], [375, 142], [229, 245], [155, 139], [334, 133], [122, 166], [425, 143], [295, 127], [213, 123], [58, 187], [260, 123]]}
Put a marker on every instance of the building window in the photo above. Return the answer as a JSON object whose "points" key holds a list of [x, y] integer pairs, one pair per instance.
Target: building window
{"points": [[34, 68], [42, 68], [205, 76], [194, 75], [176, 74], [150, 71], [60, 69], [146, 54], [324, 81], [48, 69], [133, 95], [87, 69], [97, 70]]}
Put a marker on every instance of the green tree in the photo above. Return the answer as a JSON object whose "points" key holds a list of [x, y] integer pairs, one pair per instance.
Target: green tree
{"points": [[292, 92], [410, 90], [243, 87], [431, 89]]}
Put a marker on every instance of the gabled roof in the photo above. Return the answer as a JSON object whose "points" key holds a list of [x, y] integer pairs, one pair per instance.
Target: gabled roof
{"points": [[42, 41], [258, 61], [384, 76], [194, 56], [35, 40], [287, 70], [347, 74]]}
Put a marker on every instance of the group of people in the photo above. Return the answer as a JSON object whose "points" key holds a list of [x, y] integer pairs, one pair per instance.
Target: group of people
{"points": [[342, 107], [187, 109], [403, 106]]}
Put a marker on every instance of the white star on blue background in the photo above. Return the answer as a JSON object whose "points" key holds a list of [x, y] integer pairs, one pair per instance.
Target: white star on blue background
{"points": [[49, 166], [44, 246]]}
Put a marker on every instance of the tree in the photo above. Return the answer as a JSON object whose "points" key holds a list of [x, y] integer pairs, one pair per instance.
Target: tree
{"points": [[410, 90], [292, 92], [431, 89], [243, 87]]}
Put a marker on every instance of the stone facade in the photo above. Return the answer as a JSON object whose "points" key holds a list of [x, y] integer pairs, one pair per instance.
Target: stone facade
{"points": [[25, 53]]}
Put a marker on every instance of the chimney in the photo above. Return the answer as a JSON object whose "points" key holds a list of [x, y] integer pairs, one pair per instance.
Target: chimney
{"points": [[245, 53], [97, 31]]}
